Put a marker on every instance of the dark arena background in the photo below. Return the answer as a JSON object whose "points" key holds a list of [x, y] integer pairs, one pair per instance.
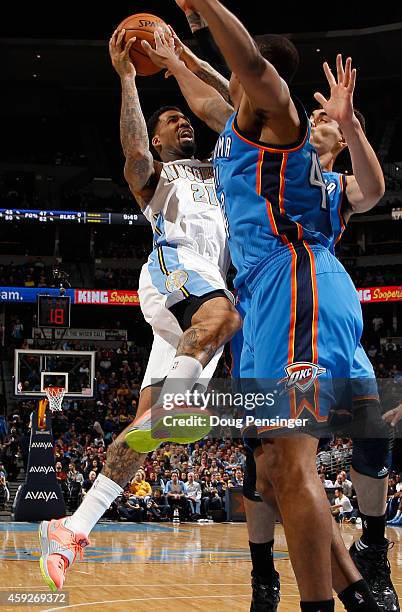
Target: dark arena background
{"points": [[67, 219]]}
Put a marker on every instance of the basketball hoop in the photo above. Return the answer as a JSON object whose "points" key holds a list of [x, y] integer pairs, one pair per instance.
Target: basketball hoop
{"points": [[55, 397]]}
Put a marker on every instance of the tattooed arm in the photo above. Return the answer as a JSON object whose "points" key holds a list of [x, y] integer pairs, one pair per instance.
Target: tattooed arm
{"points": [[204, 71], [204, 100], [212, 68], [140, 170]]}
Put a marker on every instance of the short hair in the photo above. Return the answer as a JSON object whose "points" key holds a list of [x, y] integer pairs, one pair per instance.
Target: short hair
{"points": [[154, 118], [153, 122], [280, 52], [339, 489]]}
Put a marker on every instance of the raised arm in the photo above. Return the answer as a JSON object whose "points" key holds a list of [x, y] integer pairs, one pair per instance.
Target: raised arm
{"points": [[264, 87], [205, 102], [205, 71], [140, 170], [366, 187]]}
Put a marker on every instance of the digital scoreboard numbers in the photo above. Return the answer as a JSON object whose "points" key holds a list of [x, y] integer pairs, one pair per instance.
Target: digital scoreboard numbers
{"points": [[54, 311]]}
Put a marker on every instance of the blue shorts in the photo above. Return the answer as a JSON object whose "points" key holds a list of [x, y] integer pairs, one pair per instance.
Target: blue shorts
{"points": [[301, 332]]}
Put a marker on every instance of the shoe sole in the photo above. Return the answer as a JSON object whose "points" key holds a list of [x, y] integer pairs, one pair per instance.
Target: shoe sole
{"points": [[43, 543], [146, 441]]}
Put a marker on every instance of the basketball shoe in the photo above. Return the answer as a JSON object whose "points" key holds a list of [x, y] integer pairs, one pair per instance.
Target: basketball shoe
{"points": [[59, 547], [372, 562], [266, 597], [180, 425]]}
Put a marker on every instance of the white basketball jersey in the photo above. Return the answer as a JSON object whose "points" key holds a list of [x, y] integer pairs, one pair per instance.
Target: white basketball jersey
{"points": [[184, 212]]}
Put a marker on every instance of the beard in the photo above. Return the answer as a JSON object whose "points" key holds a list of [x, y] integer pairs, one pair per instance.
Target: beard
{"points": [[188, 148]]}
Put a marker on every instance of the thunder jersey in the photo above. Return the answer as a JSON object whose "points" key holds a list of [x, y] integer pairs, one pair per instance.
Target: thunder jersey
{"points": [[185, 214], [272, 196]]}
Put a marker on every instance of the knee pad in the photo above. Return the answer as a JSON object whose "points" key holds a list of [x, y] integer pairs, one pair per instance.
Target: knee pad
{"points": [[250, 477]]}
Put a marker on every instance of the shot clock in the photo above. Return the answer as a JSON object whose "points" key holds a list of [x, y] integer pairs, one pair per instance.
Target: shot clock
{"points": [[54, 311]]}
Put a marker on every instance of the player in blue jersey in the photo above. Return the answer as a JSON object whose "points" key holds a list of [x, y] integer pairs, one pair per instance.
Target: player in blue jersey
{"points": [[275, 196]]}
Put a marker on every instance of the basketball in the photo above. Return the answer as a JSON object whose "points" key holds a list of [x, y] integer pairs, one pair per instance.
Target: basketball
{"points": [[143, 26]]}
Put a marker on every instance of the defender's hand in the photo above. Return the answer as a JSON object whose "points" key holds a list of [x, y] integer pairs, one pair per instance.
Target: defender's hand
{"points": [[339, 106], [165, 54], [392, 417]]}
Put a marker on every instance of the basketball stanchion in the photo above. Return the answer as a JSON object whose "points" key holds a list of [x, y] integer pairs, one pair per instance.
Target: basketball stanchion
{"points": [[40, 497]]}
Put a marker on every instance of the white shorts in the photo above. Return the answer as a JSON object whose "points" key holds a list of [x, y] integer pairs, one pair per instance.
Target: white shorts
{"points": [[161, 359], [169, 276]]}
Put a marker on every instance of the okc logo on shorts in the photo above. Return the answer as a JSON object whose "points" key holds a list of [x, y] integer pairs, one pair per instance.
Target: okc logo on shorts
{"points": [[301, 375]]}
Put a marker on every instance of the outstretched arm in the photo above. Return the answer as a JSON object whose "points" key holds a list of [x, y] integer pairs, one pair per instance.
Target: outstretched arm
{"points": [[205, 102], [367, 185], [262, 83], [139, 168], [203, 69], [206, 44]]}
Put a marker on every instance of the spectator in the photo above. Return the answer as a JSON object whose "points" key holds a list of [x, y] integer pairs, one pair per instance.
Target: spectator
{"points": [[237, 480], [176, 494], [4, 492], [345, 484], [129, 509], [87, 484], [140, 489], [193, 494], [157, 506], [342, 508]]}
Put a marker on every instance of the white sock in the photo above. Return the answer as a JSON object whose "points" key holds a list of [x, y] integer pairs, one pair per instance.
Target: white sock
{"points": [[95, 503], [182, 376]]}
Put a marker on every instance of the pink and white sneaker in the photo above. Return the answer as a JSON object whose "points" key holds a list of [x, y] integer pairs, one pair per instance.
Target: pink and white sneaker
{"points": [[59, 546]]}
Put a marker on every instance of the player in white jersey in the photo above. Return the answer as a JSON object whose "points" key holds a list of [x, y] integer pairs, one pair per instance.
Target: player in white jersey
{"points": [[182, 292]]}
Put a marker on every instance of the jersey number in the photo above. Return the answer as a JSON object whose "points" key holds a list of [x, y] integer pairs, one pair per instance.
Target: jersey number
{"points": [[317, 180], [204, 193]]}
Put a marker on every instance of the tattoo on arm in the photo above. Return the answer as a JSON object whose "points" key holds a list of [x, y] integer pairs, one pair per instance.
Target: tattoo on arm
{"points": [[215, 113], [121, 462], [134, 135], [212, 77], [196, 22]]}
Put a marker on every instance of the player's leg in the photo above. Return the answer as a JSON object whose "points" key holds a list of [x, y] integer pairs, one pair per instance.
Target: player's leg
{"points": [[208, 322], [260, 518], [370, 480], [62, 539]]}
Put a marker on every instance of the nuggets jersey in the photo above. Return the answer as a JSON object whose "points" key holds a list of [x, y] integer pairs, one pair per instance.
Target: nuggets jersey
{"points": [[185, 214], [190, 255], [272, 196]]}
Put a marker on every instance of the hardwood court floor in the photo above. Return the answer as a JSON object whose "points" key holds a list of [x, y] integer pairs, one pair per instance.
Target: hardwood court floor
{"points": [[150, 567]]}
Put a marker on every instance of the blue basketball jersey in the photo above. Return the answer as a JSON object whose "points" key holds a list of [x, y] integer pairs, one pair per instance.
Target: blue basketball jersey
{"points": [[272, 196]]}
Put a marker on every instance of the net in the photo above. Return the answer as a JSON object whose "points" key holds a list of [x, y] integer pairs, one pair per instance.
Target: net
{"points": [[55, 397]]}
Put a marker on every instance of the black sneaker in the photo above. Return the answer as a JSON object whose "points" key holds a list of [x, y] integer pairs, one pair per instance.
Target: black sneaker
{"points": [[265, 596], [372, 562]]}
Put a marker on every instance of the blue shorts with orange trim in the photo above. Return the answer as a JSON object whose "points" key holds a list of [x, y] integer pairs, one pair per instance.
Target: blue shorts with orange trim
{"points": [[302, 329]]}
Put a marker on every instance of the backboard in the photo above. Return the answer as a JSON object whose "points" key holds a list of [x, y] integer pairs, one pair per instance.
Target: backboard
{"points": [[34, 370]]}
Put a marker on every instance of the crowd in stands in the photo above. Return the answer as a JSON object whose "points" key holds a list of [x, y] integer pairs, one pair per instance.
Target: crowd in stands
{"points": [[192, 479], [31, 274], [375, 276], [107, 278]]}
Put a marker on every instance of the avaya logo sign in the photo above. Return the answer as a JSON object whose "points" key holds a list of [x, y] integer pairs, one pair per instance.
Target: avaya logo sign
{"points": [[45, 495], [41, 469], [41, 445]]}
